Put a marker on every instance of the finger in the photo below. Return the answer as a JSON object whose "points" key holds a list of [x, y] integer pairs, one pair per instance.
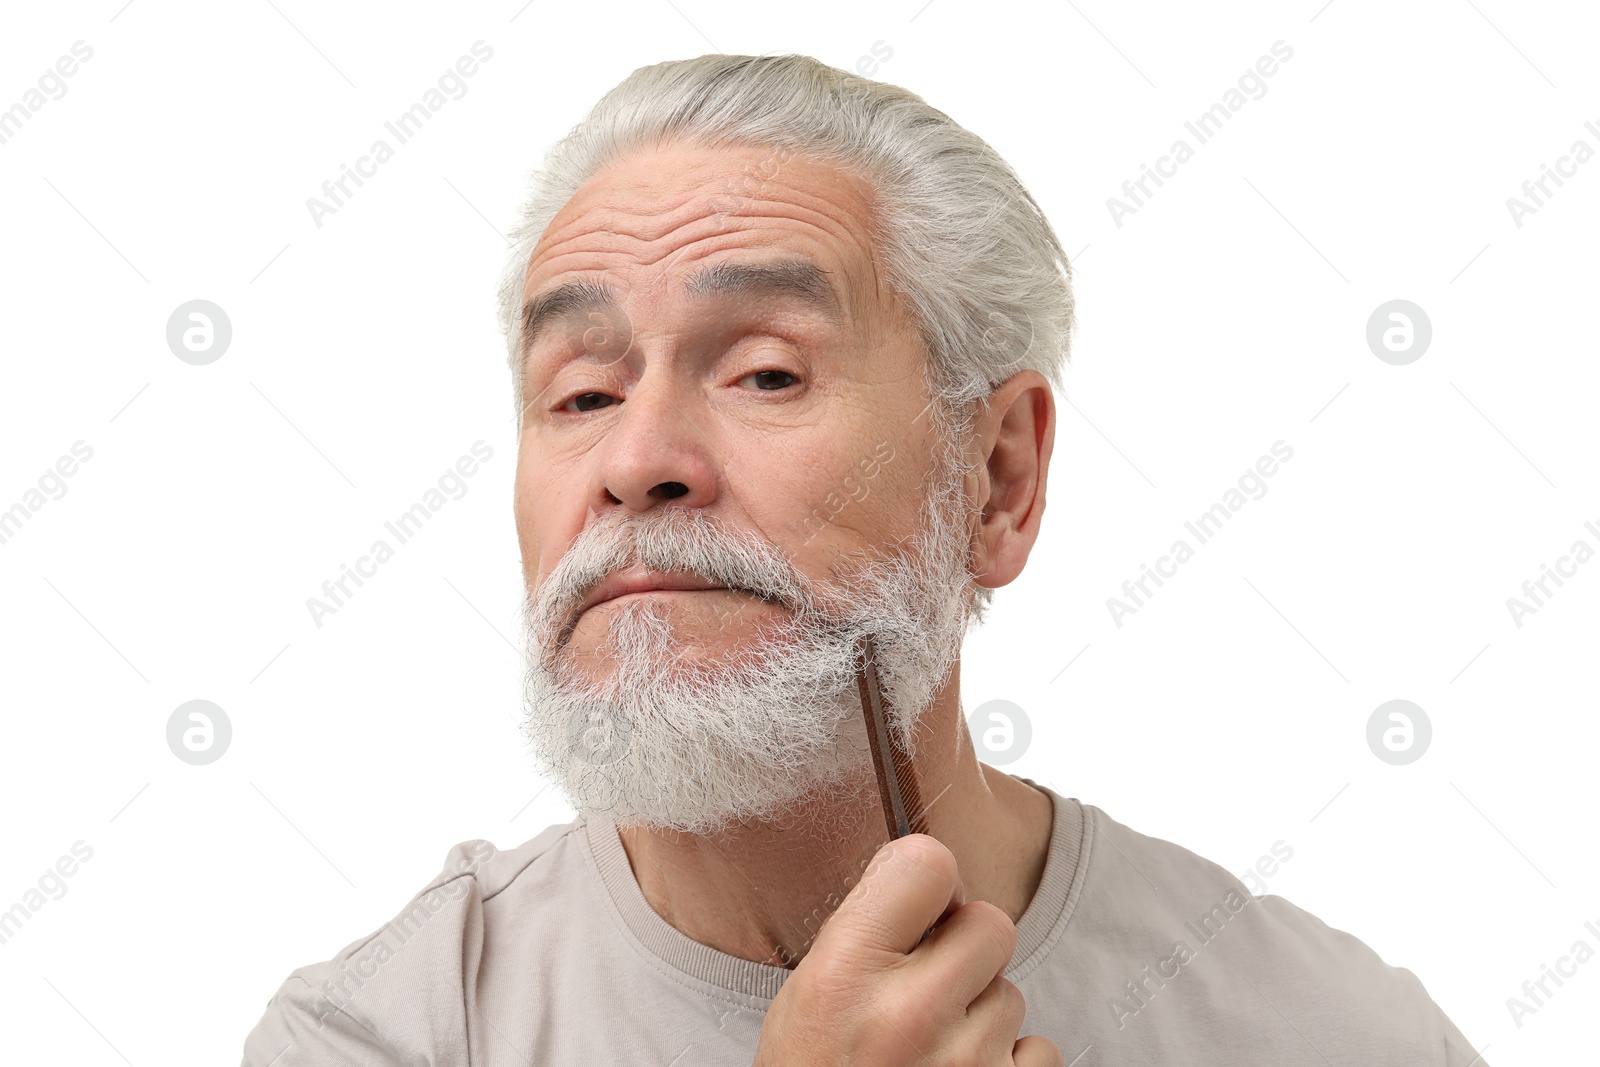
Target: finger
{"points": [[965, 954], [994, 1018], [1037, 1052], [911, 883]]}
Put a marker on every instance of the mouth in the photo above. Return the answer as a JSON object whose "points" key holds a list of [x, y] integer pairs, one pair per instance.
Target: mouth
{"points": [[636, 582], [668, 592], [639, 582]]}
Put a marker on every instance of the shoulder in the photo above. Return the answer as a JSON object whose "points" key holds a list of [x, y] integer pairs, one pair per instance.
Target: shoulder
{"points": [[1241, 955], [397, 995]]}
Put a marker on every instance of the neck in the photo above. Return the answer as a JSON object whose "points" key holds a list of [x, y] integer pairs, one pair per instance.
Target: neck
{"points": [[761, 890]]}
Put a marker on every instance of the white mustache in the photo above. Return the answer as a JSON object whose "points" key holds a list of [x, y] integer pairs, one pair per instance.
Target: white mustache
{"points": [[672, 539]]}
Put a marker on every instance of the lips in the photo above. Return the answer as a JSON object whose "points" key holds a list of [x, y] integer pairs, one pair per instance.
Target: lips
{"points": [[635, 580]]}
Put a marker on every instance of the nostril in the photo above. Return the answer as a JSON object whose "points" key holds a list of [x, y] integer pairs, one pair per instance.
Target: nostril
{"points": [[669, 490]]}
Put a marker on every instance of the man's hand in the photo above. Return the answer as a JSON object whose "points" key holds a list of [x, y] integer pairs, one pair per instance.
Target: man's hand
{"points": [[868, 993]]}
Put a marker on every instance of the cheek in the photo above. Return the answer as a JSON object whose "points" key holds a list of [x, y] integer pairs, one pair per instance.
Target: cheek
{"points": [[549, 513], [833, 502], [527, 490]]}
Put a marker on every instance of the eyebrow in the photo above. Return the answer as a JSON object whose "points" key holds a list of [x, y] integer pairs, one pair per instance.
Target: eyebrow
{"points": [[564, 299], [795, 278]]}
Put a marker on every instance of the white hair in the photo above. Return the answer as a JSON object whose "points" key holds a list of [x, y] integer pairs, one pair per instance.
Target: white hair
{"points": [[962, 241]]}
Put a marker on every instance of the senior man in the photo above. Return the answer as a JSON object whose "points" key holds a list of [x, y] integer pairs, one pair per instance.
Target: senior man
{"points": [[783, 341]]}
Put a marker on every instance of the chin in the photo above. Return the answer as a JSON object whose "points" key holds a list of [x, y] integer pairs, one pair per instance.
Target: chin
{"points": [[836, 801], [677, 641]]}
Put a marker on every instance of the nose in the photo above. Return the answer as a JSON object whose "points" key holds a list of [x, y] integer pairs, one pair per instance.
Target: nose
{"points": [[657, 452]]}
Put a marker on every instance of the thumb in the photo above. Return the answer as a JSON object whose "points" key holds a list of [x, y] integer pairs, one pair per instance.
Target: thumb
{"points": [[911, 884]]}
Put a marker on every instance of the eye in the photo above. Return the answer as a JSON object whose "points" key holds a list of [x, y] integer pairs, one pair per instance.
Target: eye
{"points": [[770, 380], [588, 402]]}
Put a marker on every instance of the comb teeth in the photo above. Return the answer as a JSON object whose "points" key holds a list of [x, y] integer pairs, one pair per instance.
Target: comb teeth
{"points": [[897, 779]]}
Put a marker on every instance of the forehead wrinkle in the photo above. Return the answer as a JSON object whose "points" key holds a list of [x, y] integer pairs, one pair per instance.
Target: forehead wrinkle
{"points": [[595, 212], [627, 212], [610, 206]]}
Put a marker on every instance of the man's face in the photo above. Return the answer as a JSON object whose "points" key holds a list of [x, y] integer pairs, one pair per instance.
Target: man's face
{"points": [[787, 402], [728, 474]]}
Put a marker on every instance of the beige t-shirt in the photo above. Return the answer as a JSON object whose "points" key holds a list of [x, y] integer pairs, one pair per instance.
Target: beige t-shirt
{"points": [[1133, 951]]}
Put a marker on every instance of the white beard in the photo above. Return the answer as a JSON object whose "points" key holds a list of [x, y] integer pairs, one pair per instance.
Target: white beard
{"points": [[667, 743]]}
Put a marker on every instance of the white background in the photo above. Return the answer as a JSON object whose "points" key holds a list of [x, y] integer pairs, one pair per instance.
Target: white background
{"points": [[1228, 313]]}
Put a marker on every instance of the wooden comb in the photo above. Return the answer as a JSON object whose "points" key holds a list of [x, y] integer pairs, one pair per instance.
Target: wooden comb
{"points": [[897, 779]]}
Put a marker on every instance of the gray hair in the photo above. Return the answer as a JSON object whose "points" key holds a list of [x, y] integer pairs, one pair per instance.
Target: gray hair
{"points": [[987, 283]]}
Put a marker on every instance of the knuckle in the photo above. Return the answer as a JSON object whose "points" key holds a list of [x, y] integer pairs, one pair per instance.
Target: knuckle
{"points": [[1005, 1001], [1013, 1007], [1039, 1052], [995, 925], [913, 1018]]}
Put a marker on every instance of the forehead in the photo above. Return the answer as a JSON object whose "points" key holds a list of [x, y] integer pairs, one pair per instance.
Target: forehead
{"points": [[658, 214]]}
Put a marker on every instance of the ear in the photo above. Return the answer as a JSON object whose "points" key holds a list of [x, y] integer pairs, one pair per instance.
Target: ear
{"points": [[1014, 435]]}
